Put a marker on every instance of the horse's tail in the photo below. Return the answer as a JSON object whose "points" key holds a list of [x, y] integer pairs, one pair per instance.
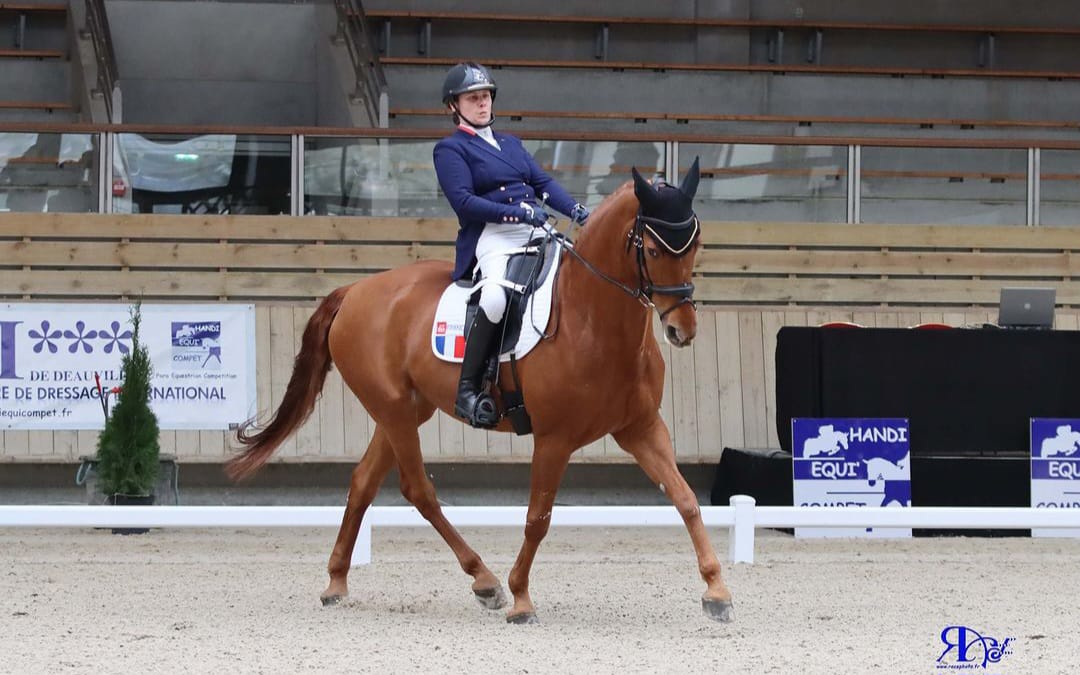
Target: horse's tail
{"points": [[309, 373]]}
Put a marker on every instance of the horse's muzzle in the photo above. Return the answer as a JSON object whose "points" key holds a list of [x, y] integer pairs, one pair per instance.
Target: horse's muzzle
{"points": [[680, 327], [677, 337]]}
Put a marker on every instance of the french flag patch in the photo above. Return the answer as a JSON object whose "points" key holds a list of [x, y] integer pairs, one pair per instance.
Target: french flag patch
{"points": [[450, 344]]}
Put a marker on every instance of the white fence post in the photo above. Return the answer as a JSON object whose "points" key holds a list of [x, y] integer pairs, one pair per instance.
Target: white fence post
{"points": [[741, 538], [361, 553]]}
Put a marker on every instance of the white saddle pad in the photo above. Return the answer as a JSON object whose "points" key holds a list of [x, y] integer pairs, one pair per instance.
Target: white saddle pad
{"points": [[448, 330]]}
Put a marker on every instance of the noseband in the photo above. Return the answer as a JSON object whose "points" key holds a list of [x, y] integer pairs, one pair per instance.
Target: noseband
{"points": [[636, 238]]}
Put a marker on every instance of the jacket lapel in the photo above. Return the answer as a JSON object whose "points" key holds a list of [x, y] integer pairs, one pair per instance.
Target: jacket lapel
{"points": [[501, 155]]}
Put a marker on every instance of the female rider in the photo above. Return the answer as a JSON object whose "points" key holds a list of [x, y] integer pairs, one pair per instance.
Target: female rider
{"points": [[492, 183]]}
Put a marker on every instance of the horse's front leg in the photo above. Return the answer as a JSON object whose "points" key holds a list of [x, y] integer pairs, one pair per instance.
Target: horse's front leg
{"points": [[548, 466], [649, 442]]}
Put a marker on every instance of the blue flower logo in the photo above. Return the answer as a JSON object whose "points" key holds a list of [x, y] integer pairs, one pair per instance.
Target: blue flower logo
{"points": [[44, 338], [80, 336], [114, 339]]}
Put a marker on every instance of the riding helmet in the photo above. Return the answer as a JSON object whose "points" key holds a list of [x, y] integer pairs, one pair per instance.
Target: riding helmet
{"points": [[466, 77]]}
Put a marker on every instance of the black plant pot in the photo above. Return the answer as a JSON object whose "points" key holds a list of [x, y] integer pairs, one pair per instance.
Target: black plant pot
{"points": [[131, 500]]}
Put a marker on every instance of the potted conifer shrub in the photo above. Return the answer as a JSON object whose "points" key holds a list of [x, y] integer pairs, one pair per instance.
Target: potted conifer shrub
{"points": [[128, 449]]}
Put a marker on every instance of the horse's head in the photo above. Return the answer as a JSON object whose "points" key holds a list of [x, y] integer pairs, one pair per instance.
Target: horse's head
{"points": [[666, 234]]}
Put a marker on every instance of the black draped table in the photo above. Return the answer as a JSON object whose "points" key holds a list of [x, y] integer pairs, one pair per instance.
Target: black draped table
{"points": [[967, 392]]}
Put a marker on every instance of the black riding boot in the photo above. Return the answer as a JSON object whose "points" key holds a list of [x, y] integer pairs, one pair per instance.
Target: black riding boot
{"points": [[473, 405]]}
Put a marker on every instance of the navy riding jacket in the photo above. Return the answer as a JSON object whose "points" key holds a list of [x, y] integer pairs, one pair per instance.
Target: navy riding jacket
{"points": [[487, 185]]}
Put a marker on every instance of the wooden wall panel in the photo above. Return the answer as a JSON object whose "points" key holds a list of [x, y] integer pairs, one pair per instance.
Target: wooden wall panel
{"points": [[751, 349], [706, 393], [729, 383], [684, 414], [751, 279], [718, 393]]}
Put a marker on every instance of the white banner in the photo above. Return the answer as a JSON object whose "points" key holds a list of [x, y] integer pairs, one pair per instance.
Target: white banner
{"points": [[203, 357]]}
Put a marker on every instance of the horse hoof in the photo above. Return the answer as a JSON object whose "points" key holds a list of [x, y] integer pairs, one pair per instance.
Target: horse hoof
{"points": [[717, 610], [523, 619], [331, 600], [491, 598]]}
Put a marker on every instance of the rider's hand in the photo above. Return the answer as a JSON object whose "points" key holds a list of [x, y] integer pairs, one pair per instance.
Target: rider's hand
{"points": [[534, 216], [579, 214]]}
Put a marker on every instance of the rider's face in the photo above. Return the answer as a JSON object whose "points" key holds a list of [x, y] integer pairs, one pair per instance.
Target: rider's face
{"points": [[475, 106]]}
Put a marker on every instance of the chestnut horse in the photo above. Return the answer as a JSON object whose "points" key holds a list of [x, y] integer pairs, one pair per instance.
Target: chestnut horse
{"points": [[600, 372]]}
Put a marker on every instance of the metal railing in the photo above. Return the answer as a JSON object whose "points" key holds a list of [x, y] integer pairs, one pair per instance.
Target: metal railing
{"points": [[744, 178], [97, 27], [354, 29]]}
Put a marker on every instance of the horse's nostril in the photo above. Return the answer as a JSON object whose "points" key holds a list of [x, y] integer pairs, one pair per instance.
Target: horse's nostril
{"points": [[672, 335]]}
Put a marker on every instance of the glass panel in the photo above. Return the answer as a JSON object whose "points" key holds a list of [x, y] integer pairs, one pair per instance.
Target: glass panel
{"points": [[216, 173], [742, 181], [1059, 187], [370, 177], [394, 177], [944, 185], [48, 172], [592, 170]]}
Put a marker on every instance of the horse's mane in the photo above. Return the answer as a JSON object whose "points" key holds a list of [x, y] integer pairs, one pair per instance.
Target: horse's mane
{"points": [[616, 200], [610, 200]]}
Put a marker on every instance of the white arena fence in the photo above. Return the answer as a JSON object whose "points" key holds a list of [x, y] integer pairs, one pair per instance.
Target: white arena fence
{"points": [[741, 518]]}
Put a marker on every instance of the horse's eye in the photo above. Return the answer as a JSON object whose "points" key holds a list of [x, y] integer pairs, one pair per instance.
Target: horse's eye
{"points": [[653, 253]]}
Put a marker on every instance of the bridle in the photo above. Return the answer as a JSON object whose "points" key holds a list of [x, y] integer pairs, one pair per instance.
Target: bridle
{"points": [[646, 288]]}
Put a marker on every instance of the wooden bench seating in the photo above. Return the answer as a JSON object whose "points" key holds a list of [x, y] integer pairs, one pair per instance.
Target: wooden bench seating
{"points": [[705, 22], [745, 264], [881, 265], [804, 120], [984, 51], [778, 68], [32, 53], [33, 7], [46, 106], [22, 10]]}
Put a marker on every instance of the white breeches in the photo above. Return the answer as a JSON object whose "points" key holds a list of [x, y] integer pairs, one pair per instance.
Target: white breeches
{"points": [[492, 253]]}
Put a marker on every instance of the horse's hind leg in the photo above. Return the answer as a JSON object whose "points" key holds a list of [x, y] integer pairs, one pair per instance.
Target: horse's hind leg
{"points": [[548, 466], [419, 490], [367, 477], [650, 444]]}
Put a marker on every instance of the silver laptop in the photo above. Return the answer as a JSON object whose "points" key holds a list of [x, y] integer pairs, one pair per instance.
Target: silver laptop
{"points": [[1027, 308]]}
